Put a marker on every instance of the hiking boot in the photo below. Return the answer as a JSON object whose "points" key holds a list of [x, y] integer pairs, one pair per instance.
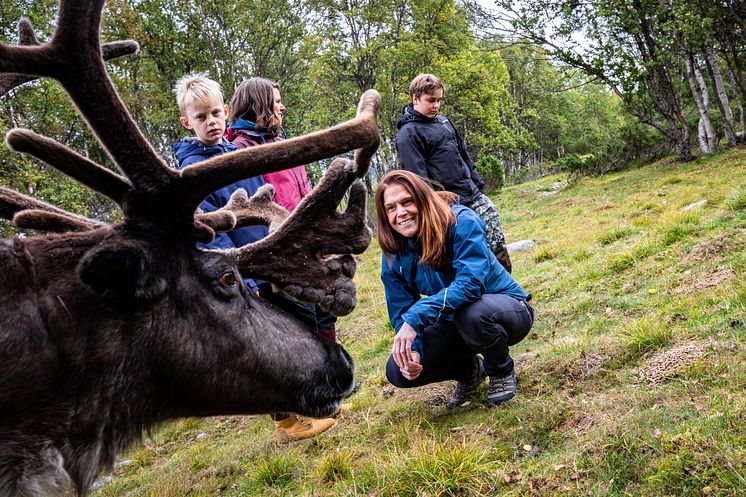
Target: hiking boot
{"points": [[502, 388], [294, 428], [465, 389]]}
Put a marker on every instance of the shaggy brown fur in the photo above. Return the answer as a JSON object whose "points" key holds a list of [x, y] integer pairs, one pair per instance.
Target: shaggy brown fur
{"points": [[108, 330]]}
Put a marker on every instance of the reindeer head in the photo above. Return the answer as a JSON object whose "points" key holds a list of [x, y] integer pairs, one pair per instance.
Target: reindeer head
{"points": [[132, 319]]}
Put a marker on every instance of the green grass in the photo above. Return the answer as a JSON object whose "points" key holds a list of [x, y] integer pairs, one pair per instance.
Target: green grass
{"points": [[620, 273]]}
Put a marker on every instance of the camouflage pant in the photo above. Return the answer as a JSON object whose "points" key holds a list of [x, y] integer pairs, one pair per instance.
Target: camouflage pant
{"points": [[484, 207]]}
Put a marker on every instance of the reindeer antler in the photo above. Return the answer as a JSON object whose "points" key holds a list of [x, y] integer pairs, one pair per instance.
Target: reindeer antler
{"points": [[296, 256], [155, 196], [30, 213], [243, 211]]}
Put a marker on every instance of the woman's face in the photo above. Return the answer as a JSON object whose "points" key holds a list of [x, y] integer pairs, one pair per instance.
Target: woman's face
{"points": [[277, 106], [401, 211]]}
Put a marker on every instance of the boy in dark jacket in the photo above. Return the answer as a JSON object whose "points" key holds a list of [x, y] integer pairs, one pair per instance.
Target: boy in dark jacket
{"points": [[203, 110], [429, 146]]}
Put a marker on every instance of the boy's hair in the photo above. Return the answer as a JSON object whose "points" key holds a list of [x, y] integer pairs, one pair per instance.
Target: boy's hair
{"points": [[425, 83], [197, 86], [254, 101], [435, 218]]}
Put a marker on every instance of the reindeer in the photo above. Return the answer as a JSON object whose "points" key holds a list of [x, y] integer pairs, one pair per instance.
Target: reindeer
{"points": [[107, 330]]}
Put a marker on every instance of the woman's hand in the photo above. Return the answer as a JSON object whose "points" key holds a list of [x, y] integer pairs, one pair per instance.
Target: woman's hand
{"points": [[414, 369], [402, 351]]}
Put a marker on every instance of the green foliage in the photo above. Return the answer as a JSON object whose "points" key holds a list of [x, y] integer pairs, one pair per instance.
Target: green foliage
{"points": [[739, 201], [616, 234], [571, 164], [492, 171]]}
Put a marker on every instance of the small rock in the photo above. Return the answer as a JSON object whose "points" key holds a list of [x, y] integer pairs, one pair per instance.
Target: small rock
{"points": [[201, 435], [521, 246], [105, 480], [388, 392], [694, 205]]}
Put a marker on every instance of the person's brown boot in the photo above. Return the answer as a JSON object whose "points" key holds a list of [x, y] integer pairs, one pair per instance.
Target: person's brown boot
{"points": [[503, 257], [294, 428], [343, 409]]}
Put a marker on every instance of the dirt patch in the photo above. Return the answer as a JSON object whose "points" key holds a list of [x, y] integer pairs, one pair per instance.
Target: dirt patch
{"points": [[669, 363], [524, 361], [603, 208], [580, 424], [725, 242], [433, 395], [587, 365], [705, 282]]}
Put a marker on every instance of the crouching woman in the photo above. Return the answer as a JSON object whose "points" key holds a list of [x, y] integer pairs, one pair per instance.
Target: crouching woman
{"points": [[471, 305]]}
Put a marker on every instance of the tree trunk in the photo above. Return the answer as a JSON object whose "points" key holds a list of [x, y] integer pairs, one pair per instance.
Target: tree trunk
{"points": [[706, 133], [721, 97], [661, 89], [739, 102]]}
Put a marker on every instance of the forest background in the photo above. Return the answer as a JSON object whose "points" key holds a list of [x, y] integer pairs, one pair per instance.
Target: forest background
{"points": [[534, 87]]}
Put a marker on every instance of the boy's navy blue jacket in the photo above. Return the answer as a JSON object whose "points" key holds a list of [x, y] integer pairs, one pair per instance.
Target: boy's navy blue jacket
{"points": [[474, 271], [190, 151], [433, 149]]}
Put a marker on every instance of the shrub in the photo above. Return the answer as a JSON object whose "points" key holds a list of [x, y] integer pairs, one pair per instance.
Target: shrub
{"points": [[574, 165], [492, 171]]}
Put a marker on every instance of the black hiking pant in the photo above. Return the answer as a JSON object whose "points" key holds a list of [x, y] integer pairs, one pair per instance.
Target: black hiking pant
{"points": [[488, 327]]}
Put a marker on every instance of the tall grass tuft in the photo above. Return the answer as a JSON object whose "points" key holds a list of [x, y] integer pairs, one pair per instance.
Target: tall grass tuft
{"points": [[645, 335], [440, 469], [276, 471], [335, 466], [738, 203], [616, 234]]}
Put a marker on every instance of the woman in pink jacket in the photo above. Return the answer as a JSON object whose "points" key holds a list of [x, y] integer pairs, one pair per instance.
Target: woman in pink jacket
{"points": [[255, 113]]}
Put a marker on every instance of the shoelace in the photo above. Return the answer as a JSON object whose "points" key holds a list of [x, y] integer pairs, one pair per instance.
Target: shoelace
{"points": [[499, 385]]}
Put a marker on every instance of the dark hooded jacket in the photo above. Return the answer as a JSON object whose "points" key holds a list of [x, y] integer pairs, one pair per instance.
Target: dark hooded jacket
{"points": [[190, 151], [433, 149]]}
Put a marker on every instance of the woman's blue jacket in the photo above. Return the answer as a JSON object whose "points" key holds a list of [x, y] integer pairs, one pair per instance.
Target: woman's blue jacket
{"points": [[419, 295]]}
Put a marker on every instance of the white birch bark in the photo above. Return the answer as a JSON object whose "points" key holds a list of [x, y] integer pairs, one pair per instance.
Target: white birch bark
{"points": [[739, 102], [705, 130], [720, 95]]}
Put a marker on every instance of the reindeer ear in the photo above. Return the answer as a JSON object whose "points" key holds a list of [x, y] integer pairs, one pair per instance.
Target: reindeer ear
{"points": [[122, 274]]}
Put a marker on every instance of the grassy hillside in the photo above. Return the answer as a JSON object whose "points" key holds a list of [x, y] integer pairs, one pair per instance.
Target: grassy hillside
{"points": [[632, 382]]}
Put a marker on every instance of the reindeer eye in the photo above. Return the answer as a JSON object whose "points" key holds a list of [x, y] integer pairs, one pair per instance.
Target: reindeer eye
{"points": [[228, 279]]}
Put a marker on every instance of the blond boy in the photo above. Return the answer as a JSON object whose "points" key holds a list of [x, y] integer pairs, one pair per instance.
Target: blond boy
{"points": [[204, 112]]}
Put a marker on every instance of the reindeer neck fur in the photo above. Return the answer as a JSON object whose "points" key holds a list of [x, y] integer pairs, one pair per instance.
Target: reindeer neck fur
{"points": [[58, 352]]}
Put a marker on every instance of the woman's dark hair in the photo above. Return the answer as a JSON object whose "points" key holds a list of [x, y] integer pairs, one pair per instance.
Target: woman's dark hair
{"points": [[254, 101], [435, 218]]}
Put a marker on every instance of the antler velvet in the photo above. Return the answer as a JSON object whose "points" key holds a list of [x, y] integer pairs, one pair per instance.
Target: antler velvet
{"points": [[296, 256], [30, 213]]}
